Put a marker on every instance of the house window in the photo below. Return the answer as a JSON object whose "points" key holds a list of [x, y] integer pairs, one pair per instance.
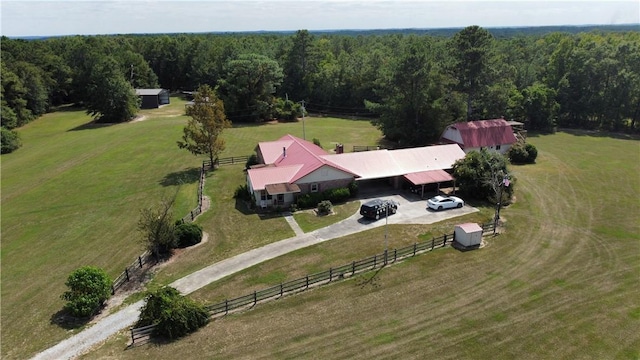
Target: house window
{"points": [[280, 198], [315, 187], [497, 147], [263, 195]]}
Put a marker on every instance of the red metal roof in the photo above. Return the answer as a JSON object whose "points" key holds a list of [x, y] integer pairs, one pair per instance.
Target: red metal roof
{"points": [[482, 133], [260, 177], [289, 151], [428, 177]]}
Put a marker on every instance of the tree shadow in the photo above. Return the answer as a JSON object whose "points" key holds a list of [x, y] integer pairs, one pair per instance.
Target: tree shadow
{"points": [[243, 207], [371, 281], [187, 176], [591, 133], [68, 322], [92, 125], [601, 133]]}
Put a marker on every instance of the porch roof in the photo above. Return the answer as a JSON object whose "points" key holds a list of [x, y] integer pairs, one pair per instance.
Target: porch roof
{"points": [[428, 177], [282, 188]]}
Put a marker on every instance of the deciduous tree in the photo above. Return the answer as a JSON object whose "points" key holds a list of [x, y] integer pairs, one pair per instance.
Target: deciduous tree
{"points": [[202, 134], [248, 87], [157, 227]]}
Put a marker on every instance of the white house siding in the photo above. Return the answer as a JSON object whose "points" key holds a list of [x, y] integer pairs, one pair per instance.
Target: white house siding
{"points": [[452, 135]]}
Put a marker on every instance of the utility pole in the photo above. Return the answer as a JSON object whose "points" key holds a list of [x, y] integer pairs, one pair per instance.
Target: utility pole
{"points": [[386, 232], [304, 135]]}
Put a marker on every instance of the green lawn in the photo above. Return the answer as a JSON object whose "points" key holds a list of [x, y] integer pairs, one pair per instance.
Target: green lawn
{"points": [[561, 282], [71, 196], [309, 220]]}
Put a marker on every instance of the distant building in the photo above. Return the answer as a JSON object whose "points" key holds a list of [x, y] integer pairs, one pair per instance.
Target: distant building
{"points": [[153, 98], [496, 135]]}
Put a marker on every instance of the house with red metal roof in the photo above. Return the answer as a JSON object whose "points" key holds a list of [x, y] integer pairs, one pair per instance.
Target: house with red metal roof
{"points": [[291, 166], [495, 135]]}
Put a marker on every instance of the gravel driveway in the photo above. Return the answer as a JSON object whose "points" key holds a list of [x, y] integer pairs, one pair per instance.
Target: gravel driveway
{"points": [[412, 210]]}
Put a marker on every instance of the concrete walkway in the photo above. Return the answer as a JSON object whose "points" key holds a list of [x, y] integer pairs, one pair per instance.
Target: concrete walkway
{"points": [[294, 225], [110, 325]]}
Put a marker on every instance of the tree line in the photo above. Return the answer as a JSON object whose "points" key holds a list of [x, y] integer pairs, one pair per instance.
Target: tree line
{"points": [[412, 85]]}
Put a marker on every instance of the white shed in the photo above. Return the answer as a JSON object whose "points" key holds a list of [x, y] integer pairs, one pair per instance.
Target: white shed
{"points": [[469, 234]]}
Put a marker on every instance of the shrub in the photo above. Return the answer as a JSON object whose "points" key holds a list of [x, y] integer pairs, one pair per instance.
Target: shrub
{"points": [[522, 154], [89, 288], [317, 142], [252, 160], [173, 314], [188, 234], [242, 193], [532, 153], [311, 200], [337, 195], [324, 207], [10, 141], [353, 189]]}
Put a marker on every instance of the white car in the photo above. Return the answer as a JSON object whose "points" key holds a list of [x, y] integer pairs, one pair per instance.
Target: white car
{"points": [[444, 202]]}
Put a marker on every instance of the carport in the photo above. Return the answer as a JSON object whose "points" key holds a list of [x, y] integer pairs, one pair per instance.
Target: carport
{"points": [[420, 166], [423, 178]]}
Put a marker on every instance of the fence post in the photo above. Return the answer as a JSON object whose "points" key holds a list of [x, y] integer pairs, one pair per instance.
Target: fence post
{"points": [[113, 290], [307, 281], [140, 260], [444, 242], [385, 256], [226, 306], [375, 258], [330, 274], [280, 289], [414, 248], [395, 254], [191, 215], [126, 272], [433, 243], [255, 298], [353, 268], [132, 339]]}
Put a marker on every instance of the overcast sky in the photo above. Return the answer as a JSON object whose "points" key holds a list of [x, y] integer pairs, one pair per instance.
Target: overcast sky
{"points": [[42, 18]]}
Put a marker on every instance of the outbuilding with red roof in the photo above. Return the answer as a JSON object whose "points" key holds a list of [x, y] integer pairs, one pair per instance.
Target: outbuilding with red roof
{"points": [[496, 135]]}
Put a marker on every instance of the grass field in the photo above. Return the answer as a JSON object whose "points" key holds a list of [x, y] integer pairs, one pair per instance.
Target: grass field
{"points": [[71, 196], [562, 281]]}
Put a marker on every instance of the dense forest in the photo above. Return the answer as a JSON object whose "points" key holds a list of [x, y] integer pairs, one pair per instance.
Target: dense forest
{"points": [[410, 84]]}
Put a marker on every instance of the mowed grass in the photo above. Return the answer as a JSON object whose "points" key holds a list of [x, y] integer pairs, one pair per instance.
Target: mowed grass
{"points": [[71, 196], [309, 220], [560, 282]]}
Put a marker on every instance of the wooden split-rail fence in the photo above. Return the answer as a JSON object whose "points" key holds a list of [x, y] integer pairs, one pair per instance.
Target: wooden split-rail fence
{"points": [[143, 334]]}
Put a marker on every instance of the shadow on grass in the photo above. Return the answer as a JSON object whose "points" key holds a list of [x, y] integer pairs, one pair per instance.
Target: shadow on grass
{"points": [[243, 207], [68, 322], [92, 125], [592, 133], [187, 176], [371, 281]]}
